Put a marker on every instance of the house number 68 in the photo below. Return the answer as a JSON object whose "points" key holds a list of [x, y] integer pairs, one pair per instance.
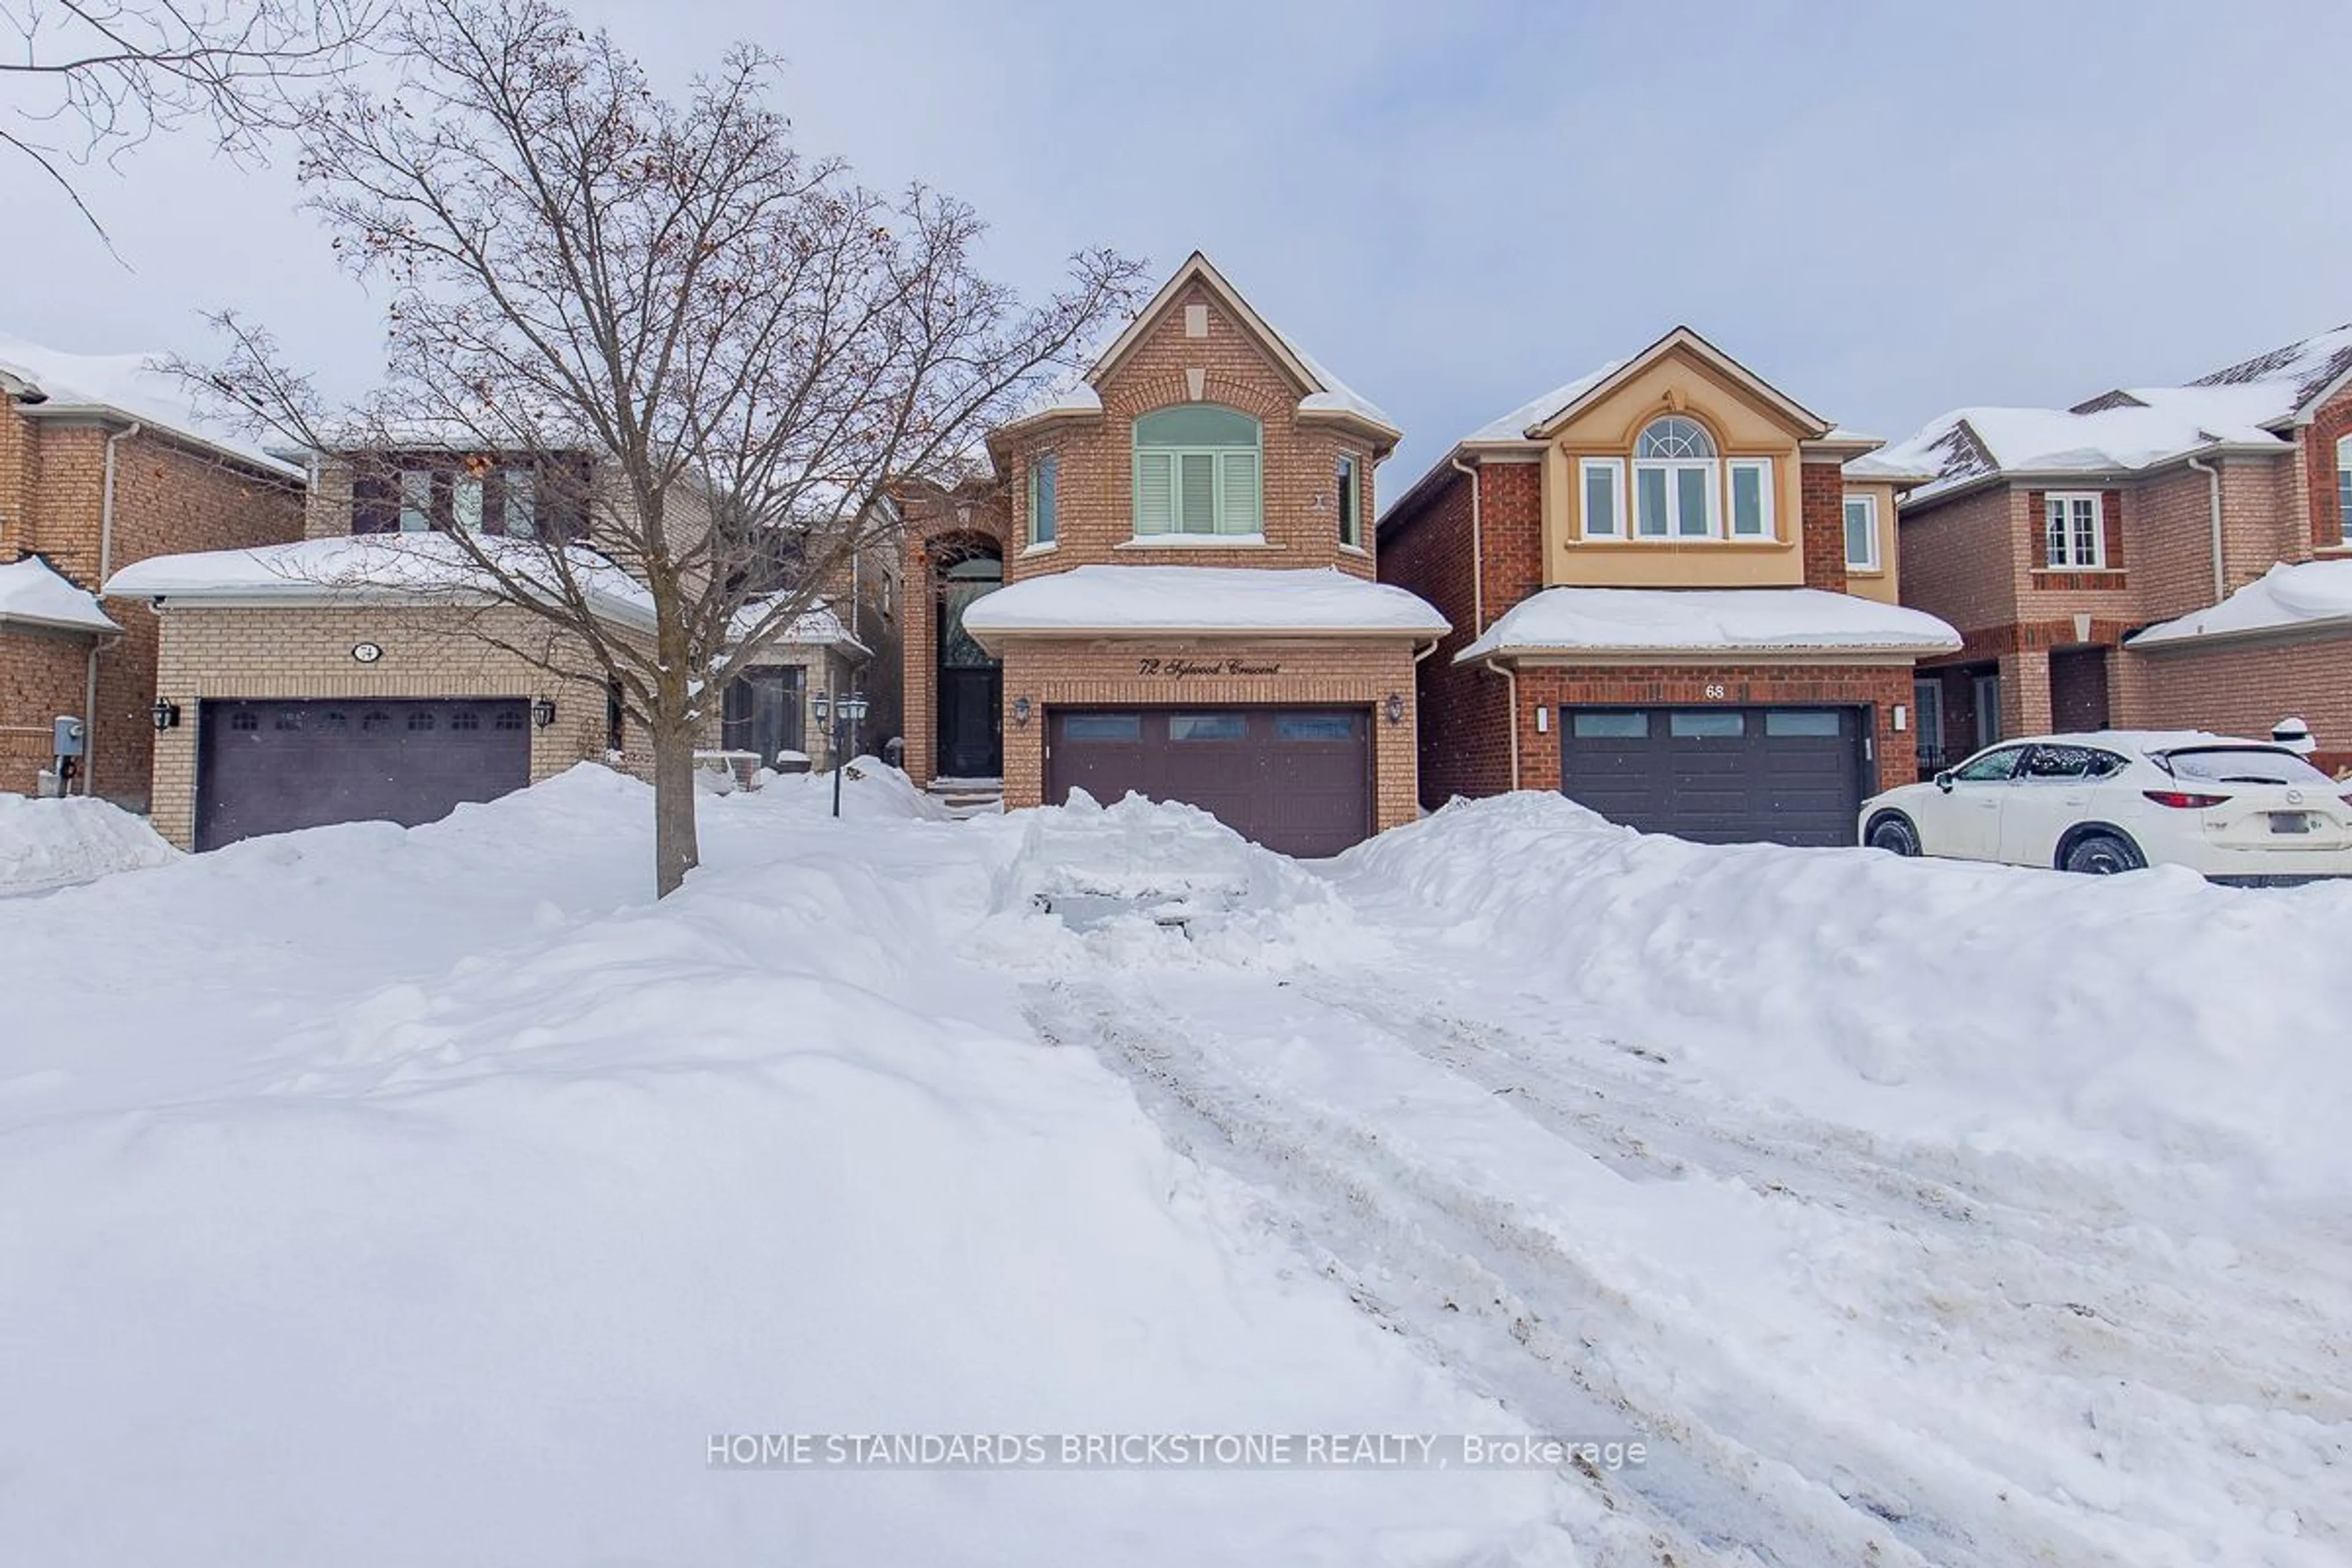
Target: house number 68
{"points": [[1714, 693]]}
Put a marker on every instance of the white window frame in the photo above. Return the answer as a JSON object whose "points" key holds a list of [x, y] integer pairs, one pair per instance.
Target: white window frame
{"points": [[1222, 525], [1040, 464], [1347, 483], [1869, 504], [1614, 467], [2344, 488], [2060, 543], [406, 503], [1762, 468], [1711, 466]]}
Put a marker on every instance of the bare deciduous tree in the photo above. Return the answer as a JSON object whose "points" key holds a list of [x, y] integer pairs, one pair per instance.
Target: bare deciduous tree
{"points": [[734, 351], [90, 79]]}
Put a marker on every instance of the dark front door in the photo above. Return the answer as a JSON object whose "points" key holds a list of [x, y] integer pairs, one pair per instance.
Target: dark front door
{"points": [[1719, 776], [762, 712], [1298, 779], [970, 683], [272, 767]]}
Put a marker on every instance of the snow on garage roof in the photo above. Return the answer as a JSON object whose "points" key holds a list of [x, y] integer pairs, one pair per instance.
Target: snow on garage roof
{"points": [[1293, 601], [2315, 593], [1708, 620], [383, 568], [35, 593]]}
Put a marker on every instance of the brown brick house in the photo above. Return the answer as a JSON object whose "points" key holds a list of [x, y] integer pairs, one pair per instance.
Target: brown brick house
{"points": [[2151, 558], [1168, 586], [351, 674], [103, 463], [1673, 593]]}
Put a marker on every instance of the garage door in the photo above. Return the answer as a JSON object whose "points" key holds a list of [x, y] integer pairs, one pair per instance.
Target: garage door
{"points": [[1295, 779], [270, 767], [1721, 775]]}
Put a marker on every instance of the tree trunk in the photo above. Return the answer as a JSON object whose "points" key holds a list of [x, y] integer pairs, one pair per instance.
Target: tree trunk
{"points": [[676, 850]]}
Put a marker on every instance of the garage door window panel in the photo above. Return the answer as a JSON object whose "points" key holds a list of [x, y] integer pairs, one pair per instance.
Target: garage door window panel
{"points": [[1208, 727], [1610, 726], [1312, 727], [1100, 728], [1707, 726], [1793, 725]]}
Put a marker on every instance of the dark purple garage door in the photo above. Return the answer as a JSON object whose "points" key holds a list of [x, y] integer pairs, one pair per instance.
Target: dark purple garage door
{"points": [[1719, 776], [1298, 779], [271, 767]]}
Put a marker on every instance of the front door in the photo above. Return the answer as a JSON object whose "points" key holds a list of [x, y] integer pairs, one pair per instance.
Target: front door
{"points": [[970, 683]]}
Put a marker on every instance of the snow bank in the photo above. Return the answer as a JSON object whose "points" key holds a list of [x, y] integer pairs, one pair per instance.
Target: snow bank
{"points": [[1708, 620], [871, 789], [2151, 1018], [48, 843]]}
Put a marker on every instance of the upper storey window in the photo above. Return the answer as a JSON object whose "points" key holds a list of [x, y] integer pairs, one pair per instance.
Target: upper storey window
{"points": [[1680, 481], [430, 492], [1199, 470], [2344, 488]]}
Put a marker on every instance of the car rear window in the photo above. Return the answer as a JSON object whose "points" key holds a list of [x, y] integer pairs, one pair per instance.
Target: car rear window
{"points": [[2240, 765]]}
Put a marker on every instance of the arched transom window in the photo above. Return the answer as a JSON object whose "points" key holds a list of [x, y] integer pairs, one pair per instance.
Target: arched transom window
{"points": [[1198, 472], [1680, 479]]}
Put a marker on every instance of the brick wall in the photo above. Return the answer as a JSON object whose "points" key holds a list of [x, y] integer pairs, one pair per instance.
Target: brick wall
{"points": [[1465, 744], [1094, 492], [1822, 489], [42, 679], [973, 518], [1879, 687], [2242, 689], [1963, 558], [2322, 509], [1104, 674], [218, 652]]}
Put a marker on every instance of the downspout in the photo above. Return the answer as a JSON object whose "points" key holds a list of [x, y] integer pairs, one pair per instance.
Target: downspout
{"points": [[2213, 476], [105, 570], [1477, 554], [1511, 694]]}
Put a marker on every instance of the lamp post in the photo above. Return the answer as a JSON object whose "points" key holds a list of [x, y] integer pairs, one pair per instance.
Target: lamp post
{"points": [[838, 717]]}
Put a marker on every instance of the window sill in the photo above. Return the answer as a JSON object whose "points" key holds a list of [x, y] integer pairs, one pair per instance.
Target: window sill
{"points": [[1863, 569], [1045, 549], [1687, 542], [1196, 541], [1356, 550]]}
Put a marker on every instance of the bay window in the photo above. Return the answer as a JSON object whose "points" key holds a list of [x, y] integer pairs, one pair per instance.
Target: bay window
{"points": [[1198, 473], [2073, 529]]}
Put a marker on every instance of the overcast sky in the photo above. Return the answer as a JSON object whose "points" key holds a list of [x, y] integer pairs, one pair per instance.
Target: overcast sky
{"points": [[1887, 209]]}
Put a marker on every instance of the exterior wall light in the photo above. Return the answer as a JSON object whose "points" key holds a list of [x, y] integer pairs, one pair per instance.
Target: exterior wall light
{"points": [[543, 712], [1021, 710], [1394, 707], [166, 714]]}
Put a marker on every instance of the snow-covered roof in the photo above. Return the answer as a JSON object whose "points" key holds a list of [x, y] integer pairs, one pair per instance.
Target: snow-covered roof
{"points": [[383, 569], [1708, 620], [1300, 601], [815, 626], [134, 385], [1543, 410], [35, 593], [2123, 431], [2314, 594]]}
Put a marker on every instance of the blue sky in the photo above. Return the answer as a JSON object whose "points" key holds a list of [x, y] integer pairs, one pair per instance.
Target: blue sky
{"points": [[1887, 209]]}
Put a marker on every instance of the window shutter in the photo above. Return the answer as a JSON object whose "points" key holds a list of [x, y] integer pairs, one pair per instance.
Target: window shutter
{"points": [[1155, 492], [1196, 492], [1240, 492]]}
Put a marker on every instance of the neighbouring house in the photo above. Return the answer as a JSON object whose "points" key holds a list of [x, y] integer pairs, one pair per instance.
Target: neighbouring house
{"points": [[360, 673], [1673, 592], [2166, 557], [1168, 587], [104, 462]]}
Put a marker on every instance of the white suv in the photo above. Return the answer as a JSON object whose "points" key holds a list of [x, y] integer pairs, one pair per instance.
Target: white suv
{"points": [[2119, 799]]}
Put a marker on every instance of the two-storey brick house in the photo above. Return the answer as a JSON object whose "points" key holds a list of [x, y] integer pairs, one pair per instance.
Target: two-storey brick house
{"points": [[2165, 557], [103, 463], [1168, 587], [354, 675], [1673, 592]]}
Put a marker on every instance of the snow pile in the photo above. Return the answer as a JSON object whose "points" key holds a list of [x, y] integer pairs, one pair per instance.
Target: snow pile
{"points": [[485, 1193], [1678, 619], [48, 843], [1202, 599], [2287, 596], [32, 592], [870, 789], [2149, 1018]]}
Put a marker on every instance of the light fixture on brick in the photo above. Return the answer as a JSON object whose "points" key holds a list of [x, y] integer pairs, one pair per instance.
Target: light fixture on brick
{"points": [[1021, 710], [166, 714], [543, 712], [1394, 707]]}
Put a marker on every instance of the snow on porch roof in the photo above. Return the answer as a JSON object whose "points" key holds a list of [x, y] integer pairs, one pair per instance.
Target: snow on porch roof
{"points": [[1292, 601], [1708, 620], [2315, 593], [34, 593]]}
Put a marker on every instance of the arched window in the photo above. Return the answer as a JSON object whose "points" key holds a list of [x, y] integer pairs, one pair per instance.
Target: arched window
{"points": [[1676, 478], [1198, 472], [2344, 488]]}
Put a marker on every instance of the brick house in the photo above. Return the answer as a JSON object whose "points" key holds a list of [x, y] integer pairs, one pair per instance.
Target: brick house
{"points": [[1168, 586], [103, 463], [351, 675], [2167, 557], [1672, 591]]}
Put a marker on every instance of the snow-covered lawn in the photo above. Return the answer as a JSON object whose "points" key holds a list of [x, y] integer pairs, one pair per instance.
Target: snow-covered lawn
{"points": [[384, 1197], [49, 843]]}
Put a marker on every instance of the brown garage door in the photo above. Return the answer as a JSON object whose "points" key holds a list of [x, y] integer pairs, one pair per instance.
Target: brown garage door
{"points": [[1721, 775], [1295, 779], [272, 767]]}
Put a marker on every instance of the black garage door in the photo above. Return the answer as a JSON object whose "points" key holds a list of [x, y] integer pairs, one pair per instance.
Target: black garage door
{"points": [[1721, 775], [1295, 779], [270, 767]]}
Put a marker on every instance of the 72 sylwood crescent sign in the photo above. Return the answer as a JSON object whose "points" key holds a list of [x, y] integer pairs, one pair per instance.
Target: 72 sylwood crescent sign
{"points": [[1185, 669]]}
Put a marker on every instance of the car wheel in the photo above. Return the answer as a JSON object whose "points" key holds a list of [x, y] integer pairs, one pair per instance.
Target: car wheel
{"points": [[2104, 855], [1894, 834]]}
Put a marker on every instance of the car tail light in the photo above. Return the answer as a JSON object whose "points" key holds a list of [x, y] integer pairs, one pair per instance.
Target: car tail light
{"points": [[2182, 800]]}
